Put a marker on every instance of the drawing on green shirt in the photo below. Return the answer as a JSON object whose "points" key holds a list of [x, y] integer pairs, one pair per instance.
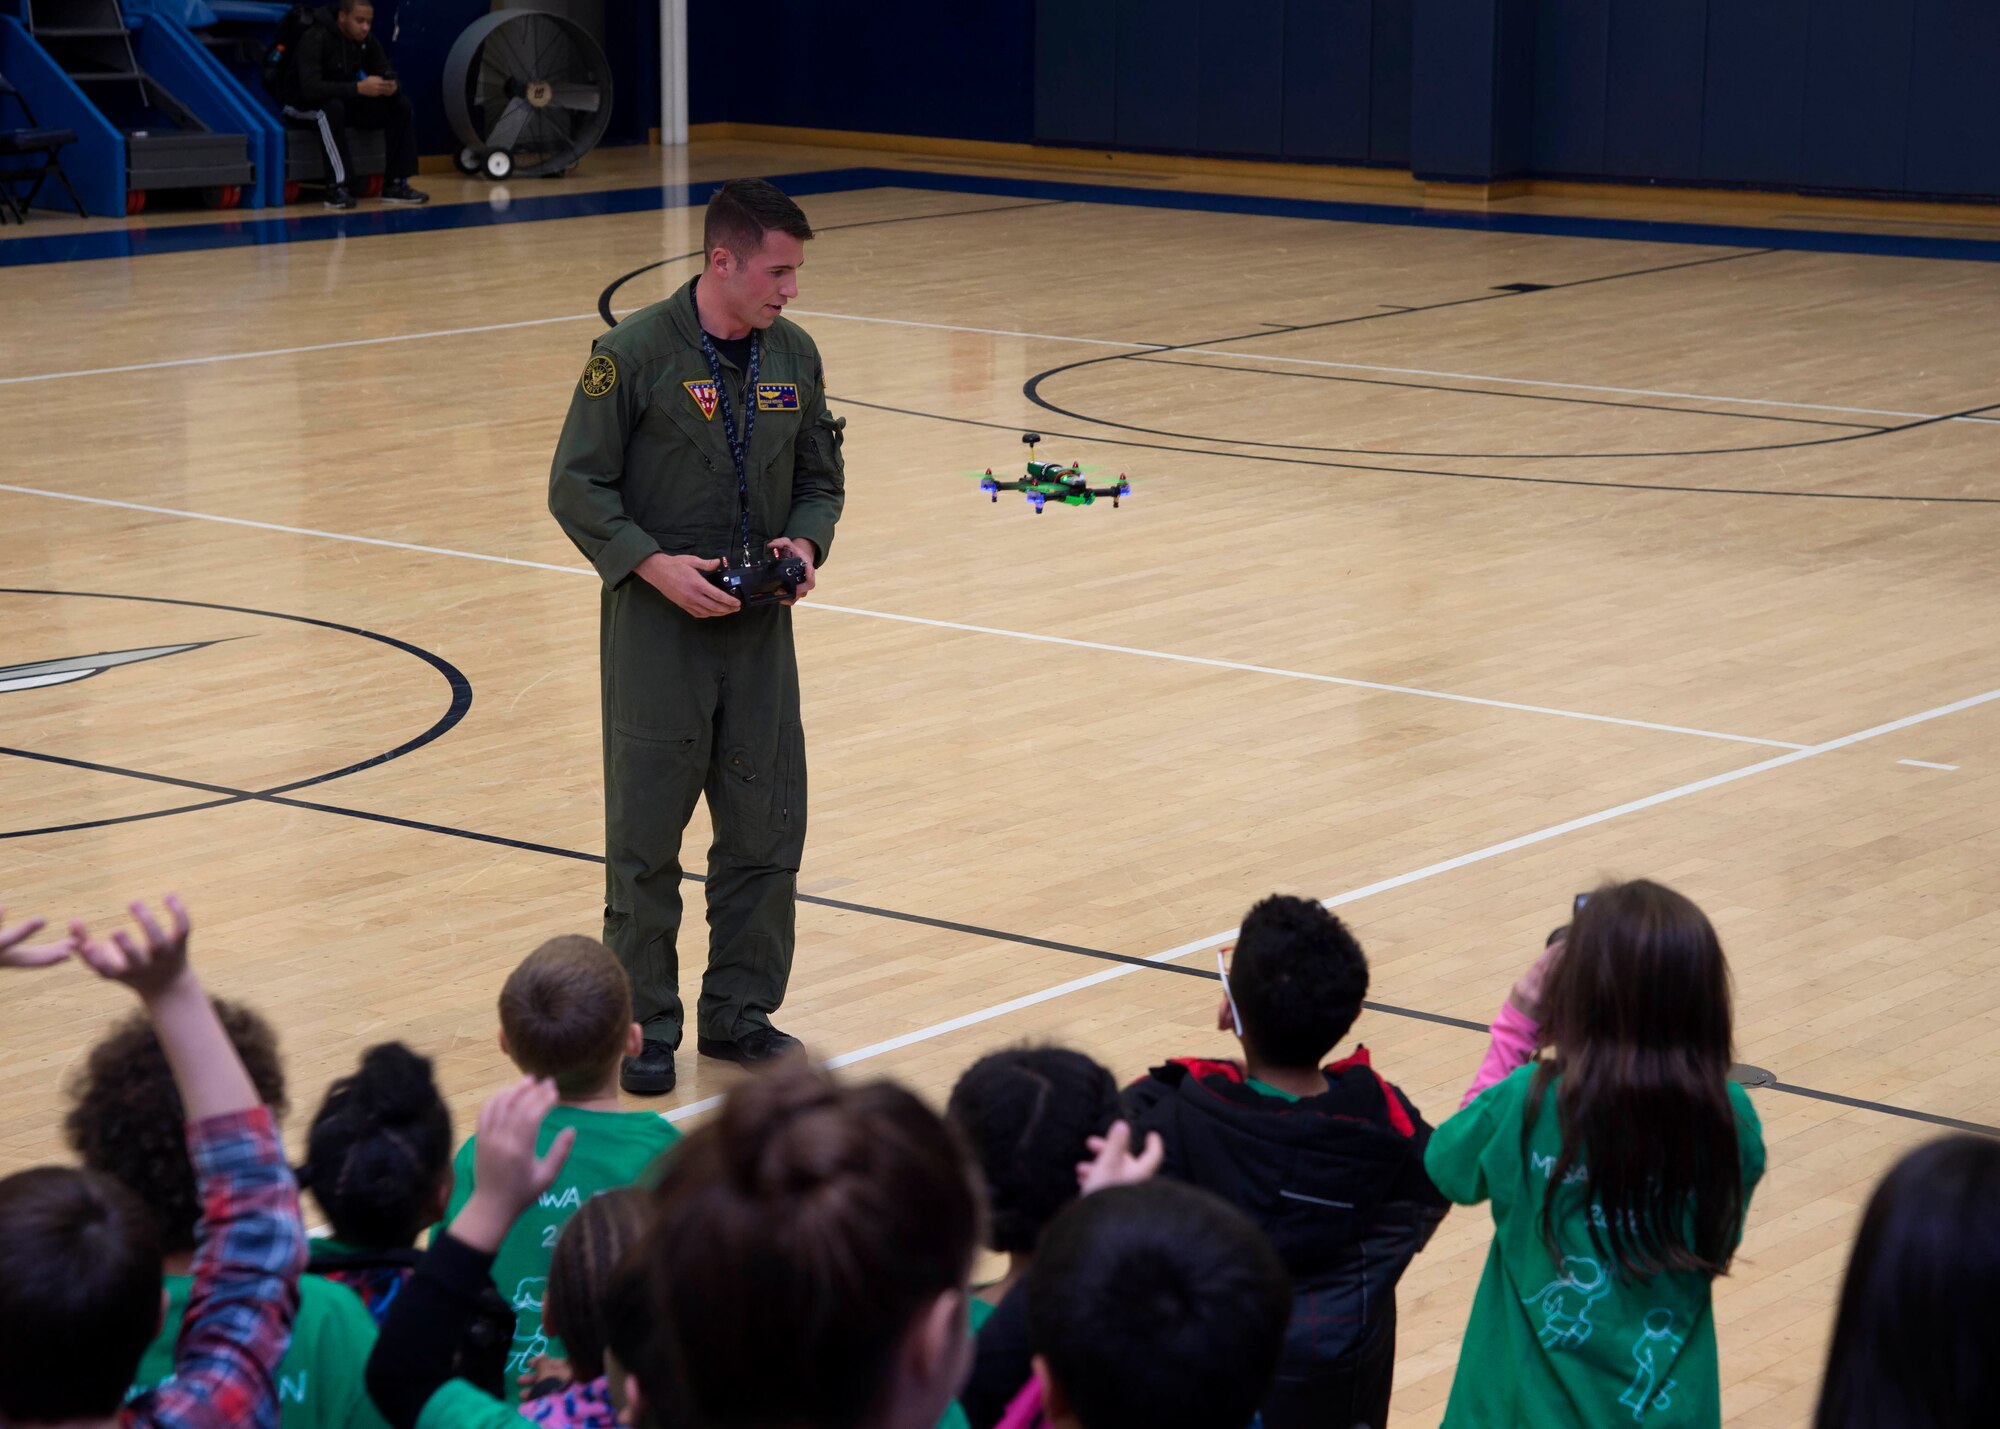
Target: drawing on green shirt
{"points": [[1657, 1329], [1565, 1302]]}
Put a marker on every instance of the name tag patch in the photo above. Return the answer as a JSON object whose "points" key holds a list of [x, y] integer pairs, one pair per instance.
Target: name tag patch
{"points": [[703, 393], [777, 396]]}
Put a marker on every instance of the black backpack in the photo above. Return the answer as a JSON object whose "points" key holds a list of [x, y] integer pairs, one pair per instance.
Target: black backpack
{"points": [[281, 57]]}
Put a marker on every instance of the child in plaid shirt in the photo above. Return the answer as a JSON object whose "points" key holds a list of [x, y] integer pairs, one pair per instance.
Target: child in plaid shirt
{"points": [[80, 1277]]}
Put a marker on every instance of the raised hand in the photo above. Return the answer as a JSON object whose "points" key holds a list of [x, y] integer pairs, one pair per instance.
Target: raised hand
{"points": [[1112, 1162], [17, 952], [150, 964]]}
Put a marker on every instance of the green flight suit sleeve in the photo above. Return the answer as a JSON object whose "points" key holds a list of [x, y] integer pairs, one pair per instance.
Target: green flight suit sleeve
{"points": [[819, 476], [585, 479]]}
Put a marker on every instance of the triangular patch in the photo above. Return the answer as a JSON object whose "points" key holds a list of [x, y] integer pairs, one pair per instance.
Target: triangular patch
{"points": [[704, 397]]}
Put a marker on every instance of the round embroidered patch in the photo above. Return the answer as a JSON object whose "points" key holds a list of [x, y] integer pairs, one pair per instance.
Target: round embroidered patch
{"points": [[600, 375]]}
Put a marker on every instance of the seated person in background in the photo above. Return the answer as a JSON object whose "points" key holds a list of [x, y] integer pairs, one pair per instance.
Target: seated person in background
{"points": [[341, 79], [1328, 1161], [1155, 1306], [410, 1374], [1913, 1345], [565, 1016], [126, 1122], [1619, 1168], [80, 1262], [807, 1263], [1028, 1115], [378, 1162]]}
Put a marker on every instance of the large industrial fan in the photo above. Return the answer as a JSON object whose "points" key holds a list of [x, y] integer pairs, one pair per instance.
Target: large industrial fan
{"points": [[527, 93]]}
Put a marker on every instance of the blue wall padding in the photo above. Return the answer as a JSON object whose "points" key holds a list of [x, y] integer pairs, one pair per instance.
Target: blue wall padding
{"points": [[1076, 72], [1753, 104], [1954, 144], [1328, 80], [1393, 60], [1472, 94], [1572, 58], [1159, 72], [1241, 76], [95, 163], [172, 55], [1857, 98], [1653, 87]]}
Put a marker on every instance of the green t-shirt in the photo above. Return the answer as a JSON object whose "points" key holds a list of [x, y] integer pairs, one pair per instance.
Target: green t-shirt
{"points": [[1575, 1343], [613, 1149], [320, 1377]]}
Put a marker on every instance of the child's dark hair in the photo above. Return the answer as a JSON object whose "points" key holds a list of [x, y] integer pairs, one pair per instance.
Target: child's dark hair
{"points": [[1637, 1009], [79, 1294], [566, 1010], [1158, 1306], [1298, 978], [379, 1150], [126, 1119], [593, 1241], [1919, 1312], [1026, 1115], [850, 1210]]}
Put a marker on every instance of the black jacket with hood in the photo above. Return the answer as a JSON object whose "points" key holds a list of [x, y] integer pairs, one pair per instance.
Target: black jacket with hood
{"points": [[329, 65], [1336, 1181]]}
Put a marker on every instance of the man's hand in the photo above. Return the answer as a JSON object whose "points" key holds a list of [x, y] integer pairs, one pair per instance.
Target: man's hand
{"points": [[679, 579], [153, 966], [507, 1175], [805, 551], [375, 86], [17, 952]]}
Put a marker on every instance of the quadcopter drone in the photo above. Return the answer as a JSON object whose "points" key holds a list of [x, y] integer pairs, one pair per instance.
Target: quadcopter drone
{"points": [[1048, 481]]}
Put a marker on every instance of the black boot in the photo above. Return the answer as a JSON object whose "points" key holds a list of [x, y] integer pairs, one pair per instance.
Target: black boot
{"points": [[651, 1072]]}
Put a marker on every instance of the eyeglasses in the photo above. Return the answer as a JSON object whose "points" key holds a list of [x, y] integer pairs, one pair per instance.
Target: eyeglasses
{"points": [[1222, 971]]}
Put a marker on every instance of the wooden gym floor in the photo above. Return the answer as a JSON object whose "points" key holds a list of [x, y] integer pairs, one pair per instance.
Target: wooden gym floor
{"points": [[1462, 569]]}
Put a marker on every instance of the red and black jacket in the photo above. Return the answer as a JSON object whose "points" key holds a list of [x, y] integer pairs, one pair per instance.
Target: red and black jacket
{"points": [[1336, 1181]]}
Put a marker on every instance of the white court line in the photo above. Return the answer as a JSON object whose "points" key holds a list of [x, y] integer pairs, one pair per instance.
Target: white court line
{"points": [[1480, 855], [1166, 655], [1006, 332], [1926, 764]]}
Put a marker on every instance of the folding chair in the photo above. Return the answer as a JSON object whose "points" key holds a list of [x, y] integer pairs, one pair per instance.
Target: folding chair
{"points": [[41, 147]]}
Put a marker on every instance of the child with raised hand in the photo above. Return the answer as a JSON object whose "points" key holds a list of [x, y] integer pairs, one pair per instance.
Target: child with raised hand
{"points": [[565, 1017], [1028, 1115], [126, 1121], [410, 1373], [1620, 1169], [378, 1162], [80, 1262], [1326, 1157]]}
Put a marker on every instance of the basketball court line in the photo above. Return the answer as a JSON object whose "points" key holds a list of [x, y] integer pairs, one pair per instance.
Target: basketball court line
{"points": [[1172, 657]]}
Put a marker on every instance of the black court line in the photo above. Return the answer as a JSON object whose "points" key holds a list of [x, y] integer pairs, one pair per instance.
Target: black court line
{"points": [[1514, 478], [233, 795], [604, 298], [1489, 392]]}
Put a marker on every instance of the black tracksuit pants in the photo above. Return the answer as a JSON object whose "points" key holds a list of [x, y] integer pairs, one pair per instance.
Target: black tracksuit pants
{"points": [[393, 114]]}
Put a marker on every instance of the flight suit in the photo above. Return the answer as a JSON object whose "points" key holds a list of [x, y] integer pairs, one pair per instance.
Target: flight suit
{"points": [[695, 707]]}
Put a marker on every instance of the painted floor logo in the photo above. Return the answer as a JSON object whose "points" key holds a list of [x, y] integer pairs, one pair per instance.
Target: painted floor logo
{"points": [[40, 674]]}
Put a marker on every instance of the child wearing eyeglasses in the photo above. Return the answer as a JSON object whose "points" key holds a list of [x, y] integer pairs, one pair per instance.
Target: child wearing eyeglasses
{"points": [[1326, 1157]]}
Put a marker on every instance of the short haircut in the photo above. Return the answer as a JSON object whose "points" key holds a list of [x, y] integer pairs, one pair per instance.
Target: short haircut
{"points": [[126, 1119], [579, 1304], [565, 1011], [743, 211], [1298, 978], [348, 7], [79, 1294], [797, 1238], [1913, 1341], [379, 1149], [1027, 1114], [1158, 1306]]}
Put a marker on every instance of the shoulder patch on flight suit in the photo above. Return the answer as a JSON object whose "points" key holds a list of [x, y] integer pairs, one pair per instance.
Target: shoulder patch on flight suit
{"points": [[600, 374], [777, 396], [703, 393]]}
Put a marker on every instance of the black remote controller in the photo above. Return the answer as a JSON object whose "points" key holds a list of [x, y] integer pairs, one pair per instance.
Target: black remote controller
{"points": [[766, 583]]}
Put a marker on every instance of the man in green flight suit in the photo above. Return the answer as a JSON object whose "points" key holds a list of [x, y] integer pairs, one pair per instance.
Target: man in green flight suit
{"points": [[699, 434]]}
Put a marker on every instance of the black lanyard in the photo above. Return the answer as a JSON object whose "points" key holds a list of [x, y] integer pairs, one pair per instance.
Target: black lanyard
{"points": [[739, 445]]}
